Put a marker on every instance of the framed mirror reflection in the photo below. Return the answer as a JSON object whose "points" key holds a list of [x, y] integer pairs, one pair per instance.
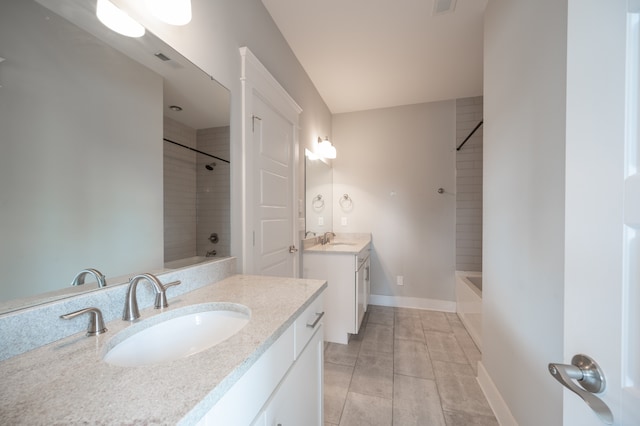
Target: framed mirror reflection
{"points": [[318, 195], [87, 178]]}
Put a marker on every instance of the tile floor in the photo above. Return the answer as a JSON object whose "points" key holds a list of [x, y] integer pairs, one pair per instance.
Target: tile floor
{"points": [[405, 367]]}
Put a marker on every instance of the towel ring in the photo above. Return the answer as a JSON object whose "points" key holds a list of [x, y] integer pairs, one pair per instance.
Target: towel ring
{"points": [[317, 202], [346, 202]]}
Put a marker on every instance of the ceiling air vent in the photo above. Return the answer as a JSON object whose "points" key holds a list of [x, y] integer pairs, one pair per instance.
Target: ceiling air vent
{"points": [[162, 56], [440, 7]]}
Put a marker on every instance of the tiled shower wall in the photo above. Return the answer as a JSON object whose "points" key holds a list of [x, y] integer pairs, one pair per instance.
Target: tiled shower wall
{"points": [[179, 192], [213, 207], [469, 185], [196, 200]]}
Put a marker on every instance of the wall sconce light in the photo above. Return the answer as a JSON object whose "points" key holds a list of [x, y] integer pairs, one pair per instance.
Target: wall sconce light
{"points": [[173, 12], [117, 20], [326, 148]]}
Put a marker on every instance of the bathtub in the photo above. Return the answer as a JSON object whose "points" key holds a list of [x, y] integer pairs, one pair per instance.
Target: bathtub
{"points": [[181, 263], [469, 303]]}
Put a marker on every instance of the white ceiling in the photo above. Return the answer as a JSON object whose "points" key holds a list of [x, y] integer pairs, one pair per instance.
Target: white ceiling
{"points": [[366, 54]]}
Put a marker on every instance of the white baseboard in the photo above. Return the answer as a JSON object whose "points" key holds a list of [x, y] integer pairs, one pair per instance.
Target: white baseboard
{"points": [[412, 302], [498, 405]]}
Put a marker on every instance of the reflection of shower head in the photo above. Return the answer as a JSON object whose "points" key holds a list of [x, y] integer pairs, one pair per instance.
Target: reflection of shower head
{"points": [[210, 166]]}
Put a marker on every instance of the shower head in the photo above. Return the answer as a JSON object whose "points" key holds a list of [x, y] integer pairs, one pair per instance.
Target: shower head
{"points": [[210, 166]]}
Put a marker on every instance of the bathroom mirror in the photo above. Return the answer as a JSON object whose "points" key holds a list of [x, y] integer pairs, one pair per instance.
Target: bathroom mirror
{"points": [[318, 194], [87, 179]]}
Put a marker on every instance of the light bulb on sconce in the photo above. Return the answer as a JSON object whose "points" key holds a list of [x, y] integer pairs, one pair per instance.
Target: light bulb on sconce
{"points": [[173, 12], [117, 20], [326, 148]]}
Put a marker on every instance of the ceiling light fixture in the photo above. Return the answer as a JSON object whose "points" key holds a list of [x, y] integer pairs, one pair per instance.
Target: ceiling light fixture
{"points": [[117, 20], [173, 12], [326, 148]]}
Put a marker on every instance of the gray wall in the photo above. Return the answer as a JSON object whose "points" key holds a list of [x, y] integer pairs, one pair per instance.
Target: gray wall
{"points": [[64, 162], [469, 185], [391, 162], [523, 230]]}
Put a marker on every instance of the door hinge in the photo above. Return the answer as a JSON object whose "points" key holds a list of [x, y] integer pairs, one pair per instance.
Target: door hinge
{"points": [[253, 122]]}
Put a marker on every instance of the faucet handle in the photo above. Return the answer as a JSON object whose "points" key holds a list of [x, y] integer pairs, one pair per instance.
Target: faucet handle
{"points": [[161, 297], [96, 323]]}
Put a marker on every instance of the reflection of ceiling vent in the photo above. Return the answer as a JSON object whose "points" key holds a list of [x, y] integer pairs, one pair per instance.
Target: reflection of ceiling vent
{"points": [[162, 56], [440, 7]]}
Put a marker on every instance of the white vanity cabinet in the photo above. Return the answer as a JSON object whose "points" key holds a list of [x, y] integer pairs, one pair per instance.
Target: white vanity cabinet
{"points": [[284, 386], [296, 400], [347, 294], [363, 277]]}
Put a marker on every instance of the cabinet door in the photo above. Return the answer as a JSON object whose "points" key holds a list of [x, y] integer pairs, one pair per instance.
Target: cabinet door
{"points": [[367, 283], [361, 297], [299, 398]]}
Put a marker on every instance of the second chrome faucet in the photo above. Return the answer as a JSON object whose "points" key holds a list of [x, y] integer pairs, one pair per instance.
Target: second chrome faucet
{"points": [[131, 312], [325, 239], [80, 276]]}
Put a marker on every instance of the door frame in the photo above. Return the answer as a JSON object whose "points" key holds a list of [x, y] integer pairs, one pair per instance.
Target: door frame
{"points": [[256, 80]]}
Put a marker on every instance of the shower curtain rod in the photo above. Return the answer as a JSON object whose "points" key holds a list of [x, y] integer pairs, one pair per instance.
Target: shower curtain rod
{"points": [[470, 134], [195, 150]]}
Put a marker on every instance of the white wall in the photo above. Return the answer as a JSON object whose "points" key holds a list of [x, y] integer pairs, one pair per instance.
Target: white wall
{"points": [[391, 162], [211, 40], [523, 249]]}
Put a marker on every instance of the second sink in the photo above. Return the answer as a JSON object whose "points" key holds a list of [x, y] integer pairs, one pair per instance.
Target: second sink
{"points": [[176, 334]]}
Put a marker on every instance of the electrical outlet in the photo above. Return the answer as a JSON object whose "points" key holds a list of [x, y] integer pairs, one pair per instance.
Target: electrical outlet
{"points": [[321, 221], [343, 221], [400, 280]]}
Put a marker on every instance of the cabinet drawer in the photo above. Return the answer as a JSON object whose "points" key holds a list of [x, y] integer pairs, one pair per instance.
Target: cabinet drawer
{"points": [[307, 323]]}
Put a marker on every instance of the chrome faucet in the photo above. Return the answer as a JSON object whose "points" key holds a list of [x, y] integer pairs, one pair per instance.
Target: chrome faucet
{"points": [[325, 238], [131, 312], [79, 278]]}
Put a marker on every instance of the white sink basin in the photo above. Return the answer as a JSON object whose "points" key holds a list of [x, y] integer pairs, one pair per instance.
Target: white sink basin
{"points": [[176, 334]]}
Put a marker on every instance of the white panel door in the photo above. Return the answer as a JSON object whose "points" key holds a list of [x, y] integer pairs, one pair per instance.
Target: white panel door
{"points": [[602, 232], [270, 161], [273, 138]]}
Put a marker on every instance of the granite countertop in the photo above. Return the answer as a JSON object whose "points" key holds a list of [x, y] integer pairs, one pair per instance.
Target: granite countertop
{"points": [[66, 382], [342, 243]]}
